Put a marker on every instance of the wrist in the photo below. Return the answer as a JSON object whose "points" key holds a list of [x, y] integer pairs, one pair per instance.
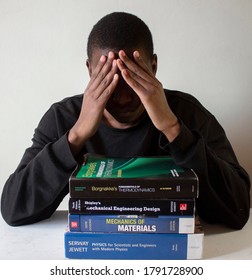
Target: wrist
{"points": [[76, 141], [172, 131]]}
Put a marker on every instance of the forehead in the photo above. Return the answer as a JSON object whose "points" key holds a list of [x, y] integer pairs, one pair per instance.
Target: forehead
{"points": [[98, 52]]}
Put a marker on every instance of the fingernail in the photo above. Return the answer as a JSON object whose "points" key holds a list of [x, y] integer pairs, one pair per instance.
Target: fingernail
{"points": [[122, 53], [103, 58], [137, 54], [111, 54]]}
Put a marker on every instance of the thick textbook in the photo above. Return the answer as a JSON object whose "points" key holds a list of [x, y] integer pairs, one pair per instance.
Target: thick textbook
{"points": [[141, 246], [136, 206], [150, 177], [131, 224]]}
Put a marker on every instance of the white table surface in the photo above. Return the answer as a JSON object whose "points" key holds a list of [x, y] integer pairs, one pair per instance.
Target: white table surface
{"points": [[45, 240]]}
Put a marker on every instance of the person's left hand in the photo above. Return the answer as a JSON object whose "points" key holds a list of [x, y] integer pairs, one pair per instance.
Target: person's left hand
{"points": [[142, 80]]}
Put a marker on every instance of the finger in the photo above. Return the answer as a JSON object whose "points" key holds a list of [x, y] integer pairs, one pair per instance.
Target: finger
{"points": [[130, 77], [104, 75], [101, 101], [108, 79], [103, 67], [144, 72], [99, 66], [120, 64], [107, 92], [102, 93], [139, 60], [136, 83]]}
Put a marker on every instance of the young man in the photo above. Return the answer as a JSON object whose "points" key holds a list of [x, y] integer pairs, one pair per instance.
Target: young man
{"points": [[125, 111]]}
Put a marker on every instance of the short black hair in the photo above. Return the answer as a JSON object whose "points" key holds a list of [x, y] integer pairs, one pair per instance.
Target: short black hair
{"points": [[120, 31]]}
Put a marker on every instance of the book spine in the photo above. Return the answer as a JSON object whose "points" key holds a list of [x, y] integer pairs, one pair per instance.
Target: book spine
{"points": [[151, 207], [131, 224], [175, 188], [159, 246]]}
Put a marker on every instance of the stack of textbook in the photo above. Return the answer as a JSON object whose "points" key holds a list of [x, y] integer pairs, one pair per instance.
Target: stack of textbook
{"points": [[133, 208]]}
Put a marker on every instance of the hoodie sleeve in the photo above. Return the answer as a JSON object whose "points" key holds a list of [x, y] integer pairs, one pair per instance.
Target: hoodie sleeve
{"points": [[224, 194], [40, 182]]}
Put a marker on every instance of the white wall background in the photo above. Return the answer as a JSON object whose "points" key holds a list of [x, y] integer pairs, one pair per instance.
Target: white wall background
{"points": [[204, 48]]}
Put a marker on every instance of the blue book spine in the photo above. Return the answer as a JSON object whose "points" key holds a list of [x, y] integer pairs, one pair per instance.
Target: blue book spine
{"points": [[159, 246], [131, 224]]}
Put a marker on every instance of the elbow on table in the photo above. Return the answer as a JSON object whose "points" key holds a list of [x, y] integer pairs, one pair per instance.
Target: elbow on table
{"points": [[12, 219], [15, 217], [235, 218], [240, 219], [9, 217]]}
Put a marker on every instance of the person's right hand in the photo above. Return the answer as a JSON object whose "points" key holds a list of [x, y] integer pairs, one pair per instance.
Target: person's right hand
{"points": [[102, 83]]}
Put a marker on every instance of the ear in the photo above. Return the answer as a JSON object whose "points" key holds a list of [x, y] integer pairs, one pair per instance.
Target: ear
{"points": [[89, 67], [154, 64]]}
